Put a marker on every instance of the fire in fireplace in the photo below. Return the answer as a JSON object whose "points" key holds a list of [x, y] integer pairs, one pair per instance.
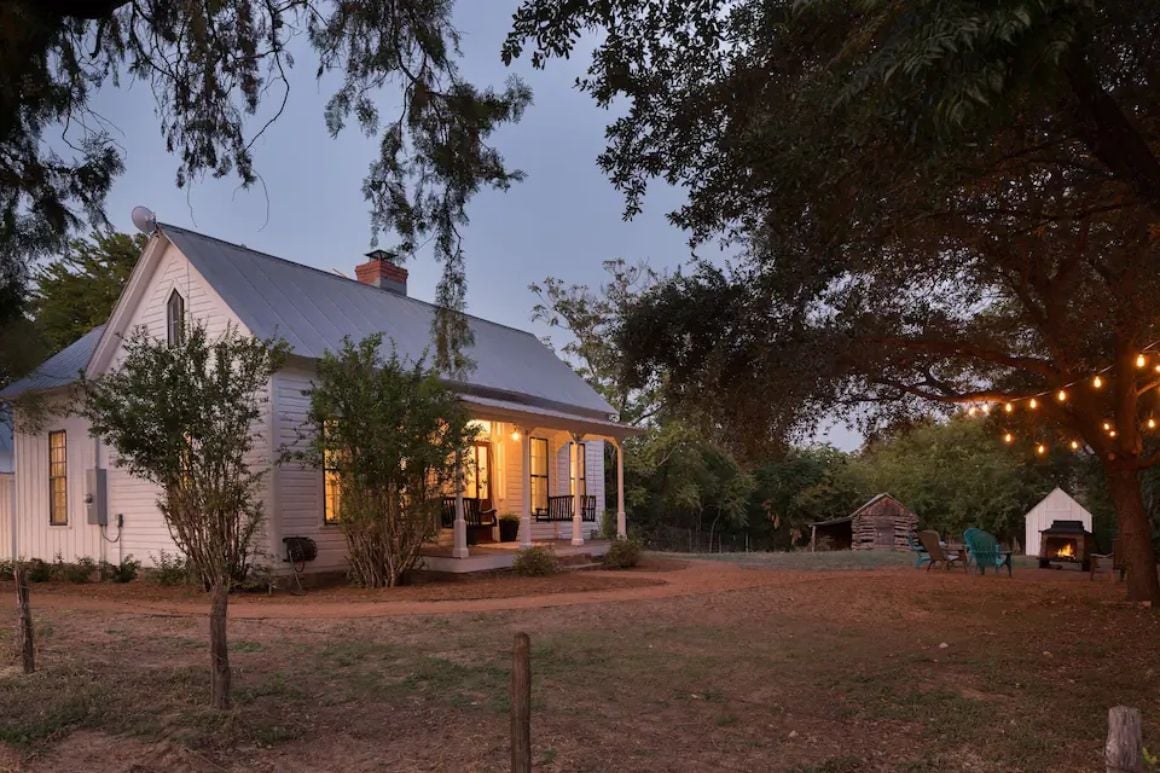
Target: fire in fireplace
{"points": [[1066, 542]]}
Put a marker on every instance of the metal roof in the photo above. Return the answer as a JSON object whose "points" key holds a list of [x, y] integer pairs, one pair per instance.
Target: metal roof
{"points": [[313, 310], [61, 369], [505, 410]]}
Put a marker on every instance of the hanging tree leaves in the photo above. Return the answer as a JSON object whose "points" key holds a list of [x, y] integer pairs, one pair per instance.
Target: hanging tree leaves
{"points": [[218, 73]]}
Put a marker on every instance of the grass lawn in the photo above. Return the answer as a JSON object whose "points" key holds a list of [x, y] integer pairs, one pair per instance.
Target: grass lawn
{"points": [[817, 670]]}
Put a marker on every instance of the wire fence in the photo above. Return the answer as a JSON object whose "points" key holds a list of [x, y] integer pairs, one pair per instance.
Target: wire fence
{"points": [[684, 540]]}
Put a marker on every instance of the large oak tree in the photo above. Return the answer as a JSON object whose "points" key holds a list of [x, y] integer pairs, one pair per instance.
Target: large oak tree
{"points": [[953, 202]]}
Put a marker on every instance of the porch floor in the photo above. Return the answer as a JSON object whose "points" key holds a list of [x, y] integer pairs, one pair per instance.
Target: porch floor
{"points": [[501, 555]]}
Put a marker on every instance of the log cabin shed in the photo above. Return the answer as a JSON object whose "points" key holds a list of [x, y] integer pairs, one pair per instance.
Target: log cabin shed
{"points": [[883, 523]]}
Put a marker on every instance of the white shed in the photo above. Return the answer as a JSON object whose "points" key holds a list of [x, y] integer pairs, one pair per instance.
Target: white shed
{"points": [[1056, 506]]}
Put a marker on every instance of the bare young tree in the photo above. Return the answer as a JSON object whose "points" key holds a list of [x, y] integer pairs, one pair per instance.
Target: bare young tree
{"points": [[183, 417], [389, 435]]}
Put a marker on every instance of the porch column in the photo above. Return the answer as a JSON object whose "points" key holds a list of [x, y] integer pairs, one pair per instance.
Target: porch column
{"points": [[459, 547], [526, 478], [577, 505], [621, 521]]}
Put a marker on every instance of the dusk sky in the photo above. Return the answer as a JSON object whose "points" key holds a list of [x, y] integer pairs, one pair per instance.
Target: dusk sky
{"points": [[563, 220]]}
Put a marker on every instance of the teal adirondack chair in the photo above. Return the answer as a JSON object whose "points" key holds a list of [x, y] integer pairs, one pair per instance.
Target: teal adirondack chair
{"points": [[986, 551], [921, 557]]}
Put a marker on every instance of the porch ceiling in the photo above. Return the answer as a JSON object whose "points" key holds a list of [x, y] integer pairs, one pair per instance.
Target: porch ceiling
{"points": [[545, 418]]}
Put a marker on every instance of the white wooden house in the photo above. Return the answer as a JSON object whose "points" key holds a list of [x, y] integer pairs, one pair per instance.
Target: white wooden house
{"points": [[1056, 506], [544, 429]]}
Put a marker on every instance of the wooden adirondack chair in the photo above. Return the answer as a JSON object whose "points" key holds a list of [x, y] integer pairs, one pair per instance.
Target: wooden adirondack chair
{"points": [[1110, 562], [937, 552], [920, 555], [986, 551]]}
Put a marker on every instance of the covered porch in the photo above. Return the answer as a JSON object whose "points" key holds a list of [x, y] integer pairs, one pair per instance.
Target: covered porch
{"points": [[537, 470]]}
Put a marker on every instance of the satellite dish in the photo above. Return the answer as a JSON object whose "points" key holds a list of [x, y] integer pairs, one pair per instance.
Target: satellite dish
{"points": [[144, 220]]}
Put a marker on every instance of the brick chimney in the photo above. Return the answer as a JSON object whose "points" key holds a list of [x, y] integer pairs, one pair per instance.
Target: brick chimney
{"points": [[382, 271]]}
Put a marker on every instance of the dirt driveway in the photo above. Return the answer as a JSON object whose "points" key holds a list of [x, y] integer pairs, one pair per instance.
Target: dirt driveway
{"points": [[701, 666]]}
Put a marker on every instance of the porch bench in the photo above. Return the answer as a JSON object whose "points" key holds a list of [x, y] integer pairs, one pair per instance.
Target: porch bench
{"points": [[560, 509]]}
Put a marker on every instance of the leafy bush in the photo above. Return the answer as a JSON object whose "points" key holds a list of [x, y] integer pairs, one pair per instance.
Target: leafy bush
{"points": [[6, 568], [260, 579], [78, 572], [512, 517], [126, 571], [608, 524], [37, 570], [172, 569], [536, 562], [623, 554]]}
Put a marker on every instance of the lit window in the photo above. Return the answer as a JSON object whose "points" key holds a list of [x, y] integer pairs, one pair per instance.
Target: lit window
{"points": [[539, 474], [57, 478], [331, 484], [582, 489], [175, 319], [477, 477]]}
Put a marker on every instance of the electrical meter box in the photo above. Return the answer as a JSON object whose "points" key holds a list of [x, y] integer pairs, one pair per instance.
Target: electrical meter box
{"points": [[96, 497]]}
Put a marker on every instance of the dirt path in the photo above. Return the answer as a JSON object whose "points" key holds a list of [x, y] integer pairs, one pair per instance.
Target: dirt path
{"points": [[694, 578]]}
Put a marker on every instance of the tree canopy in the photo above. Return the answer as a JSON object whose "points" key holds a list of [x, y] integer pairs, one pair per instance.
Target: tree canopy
{"points": [[218, 73], [955, 203], [77, 291]]}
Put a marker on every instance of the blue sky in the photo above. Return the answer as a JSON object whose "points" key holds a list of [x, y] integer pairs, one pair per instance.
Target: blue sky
{"points": [[563, 220]]}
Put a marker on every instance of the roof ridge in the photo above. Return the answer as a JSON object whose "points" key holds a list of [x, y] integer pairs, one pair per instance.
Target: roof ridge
{"points": [[339, 277]]}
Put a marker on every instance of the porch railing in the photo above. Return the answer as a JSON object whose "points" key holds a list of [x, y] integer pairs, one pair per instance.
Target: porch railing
{"points": [[477, 512], [560, 509]]}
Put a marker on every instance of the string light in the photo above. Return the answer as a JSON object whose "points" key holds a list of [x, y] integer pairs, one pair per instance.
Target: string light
{"points": [[986, 408], [1108, 427], [1008, 438], [1097, 382], [1074, 445], [972, 411], [1040, 449], [1151, 423], [1009, 407], [1112, 433], [1141, 360], [1033, 403], [1061, 395]]}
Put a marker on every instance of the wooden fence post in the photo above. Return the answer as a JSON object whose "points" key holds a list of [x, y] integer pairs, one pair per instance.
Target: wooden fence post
{"points": [[1123, 752], [521, 705], [26, 644]]}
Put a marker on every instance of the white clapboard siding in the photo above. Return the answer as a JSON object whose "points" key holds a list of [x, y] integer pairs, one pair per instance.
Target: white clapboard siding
{"points": [[7, 511], [144, 534], [298, 496]]}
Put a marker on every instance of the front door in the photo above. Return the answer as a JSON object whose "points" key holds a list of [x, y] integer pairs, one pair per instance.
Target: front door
{"points": [[478, 471]]}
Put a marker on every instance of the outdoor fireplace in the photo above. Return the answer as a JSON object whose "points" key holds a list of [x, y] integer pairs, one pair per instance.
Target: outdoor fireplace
{"points": [[1066, 542]]}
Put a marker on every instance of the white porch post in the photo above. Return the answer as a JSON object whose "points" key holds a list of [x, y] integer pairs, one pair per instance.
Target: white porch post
{"points": [[577, 505], [459, 547], [526, 478], [621, 521]]}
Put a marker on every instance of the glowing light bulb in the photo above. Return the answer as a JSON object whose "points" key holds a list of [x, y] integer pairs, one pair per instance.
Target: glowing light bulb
{"points": [[1141, 360], [972, 411], [1074, 445], [1008, 438], [1033, 403], [1097, 382], [1112, 433], [515, 436], [1061, 395], [1151, 423], [1009, 407], [985, 408], [1040, 449], [1107, 426]]}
